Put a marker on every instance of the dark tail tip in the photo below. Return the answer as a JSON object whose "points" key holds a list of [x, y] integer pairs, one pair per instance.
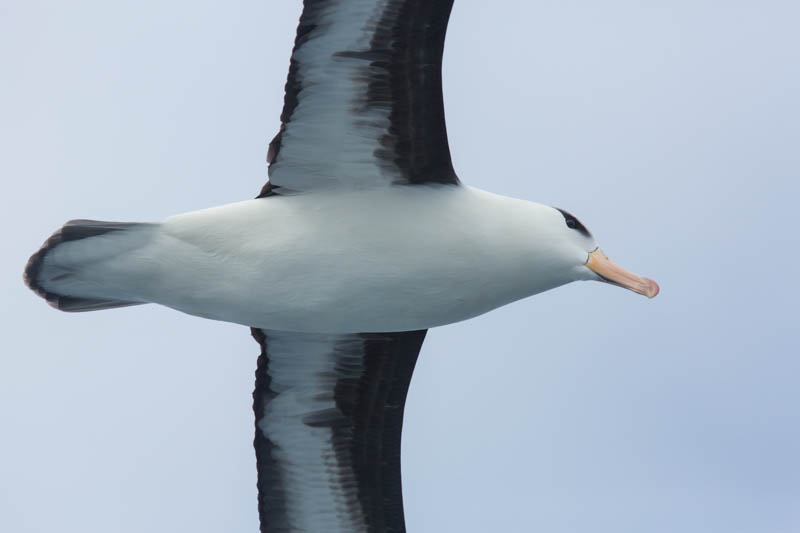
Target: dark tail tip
{"points": [[71, 231]]}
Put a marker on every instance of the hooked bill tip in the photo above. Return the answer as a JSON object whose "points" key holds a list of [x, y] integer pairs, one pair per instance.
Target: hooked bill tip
{"points": [[652, 288]]}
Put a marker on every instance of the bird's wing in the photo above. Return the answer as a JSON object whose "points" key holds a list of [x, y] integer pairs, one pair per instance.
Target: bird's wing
{"points": [[363, 104], [329, 412]]}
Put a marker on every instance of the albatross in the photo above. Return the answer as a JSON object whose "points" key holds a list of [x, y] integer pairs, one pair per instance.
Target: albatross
{"points": [[361, 240]]}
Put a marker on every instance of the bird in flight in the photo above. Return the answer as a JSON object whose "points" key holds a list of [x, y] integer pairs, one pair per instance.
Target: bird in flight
{"points": [[362, 238]]}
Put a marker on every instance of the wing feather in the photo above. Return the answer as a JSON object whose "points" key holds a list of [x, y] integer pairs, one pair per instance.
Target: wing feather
{"points": [[329, 415], [363, 104]]}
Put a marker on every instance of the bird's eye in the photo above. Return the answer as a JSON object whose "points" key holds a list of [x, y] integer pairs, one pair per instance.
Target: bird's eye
{"points": [[574, 223]]}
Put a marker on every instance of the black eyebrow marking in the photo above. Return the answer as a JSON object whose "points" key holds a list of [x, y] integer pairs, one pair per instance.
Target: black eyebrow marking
{"points": [[574, 223]]}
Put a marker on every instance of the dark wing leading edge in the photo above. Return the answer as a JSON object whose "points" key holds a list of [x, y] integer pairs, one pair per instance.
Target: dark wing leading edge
{"points": [[363, 104], [329, 413]]}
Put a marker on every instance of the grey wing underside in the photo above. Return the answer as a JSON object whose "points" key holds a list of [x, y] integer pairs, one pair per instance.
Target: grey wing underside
{"points": [[329, 415], [363, 104]]}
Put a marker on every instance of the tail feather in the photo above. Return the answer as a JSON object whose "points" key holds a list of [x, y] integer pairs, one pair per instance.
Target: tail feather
{"points": [[42, 276]]}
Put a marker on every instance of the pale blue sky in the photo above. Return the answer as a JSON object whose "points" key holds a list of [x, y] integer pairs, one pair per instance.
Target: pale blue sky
{"points": [[671, 129]]}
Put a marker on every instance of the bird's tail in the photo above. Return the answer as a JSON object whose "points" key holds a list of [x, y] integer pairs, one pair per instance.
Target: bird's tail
{"points": [[73, 267]]}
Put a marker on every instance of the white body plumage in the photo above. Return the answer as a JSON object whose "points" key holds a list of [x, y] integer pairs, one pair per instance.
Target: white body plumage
{"points": [[384, 259]]}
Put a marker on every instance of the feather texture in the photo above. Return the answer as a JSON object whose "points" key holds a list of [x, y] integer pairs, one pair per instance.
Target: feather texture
{"points": [[363, 104], [329, 415]]}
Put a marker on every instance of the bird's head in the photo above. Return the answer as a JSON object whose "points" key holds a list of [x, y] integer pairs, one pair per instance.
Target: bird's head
{"points": [[588, 260]]}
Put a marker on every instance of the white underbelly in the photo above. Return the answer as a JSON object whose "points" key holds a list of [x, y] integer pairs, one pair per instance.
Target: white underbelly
{"points": [[407, 262]]}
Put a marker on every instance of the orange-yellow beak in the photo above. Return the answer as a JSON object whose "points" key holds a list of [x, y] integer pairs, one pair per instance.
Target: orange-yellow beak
{"points": [[611, 273]]}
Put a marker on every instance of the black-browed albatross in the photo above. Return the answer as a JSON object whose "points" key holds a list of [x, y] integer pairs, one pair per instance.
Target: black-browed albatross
{"points": [[362, 238]]}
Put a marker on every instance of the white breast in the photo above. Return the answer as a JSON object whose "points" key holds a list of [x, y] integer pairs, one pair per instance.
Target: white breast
{"points": [[390, 259]]}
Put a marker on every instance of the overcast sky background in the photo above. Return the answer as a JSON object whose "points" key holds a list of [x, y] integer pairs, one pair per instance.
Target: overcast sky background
{"points": [[671, 129]]}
